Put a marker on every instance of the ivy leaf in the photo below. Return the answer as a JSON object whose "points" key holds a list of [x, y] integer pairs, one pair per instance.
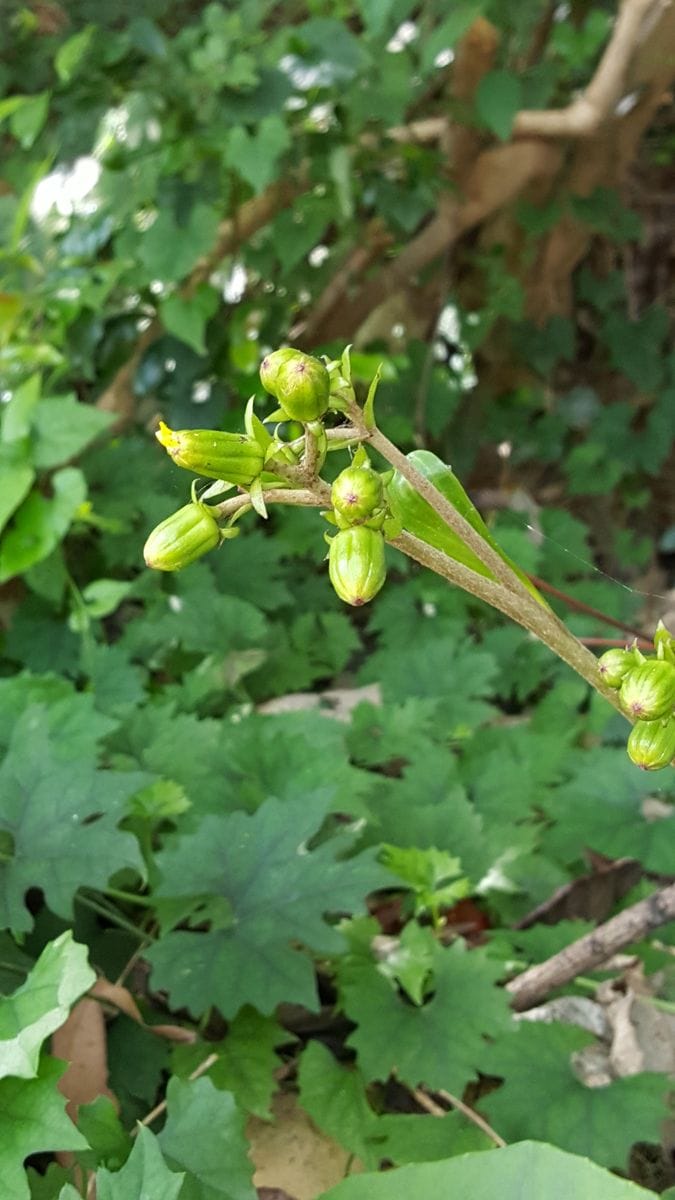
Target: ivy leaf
{"points": [[542, 1097], [186, 318], [204, 1136], [41, 1005], [335, 1098], [255, 156], [59, 823], [63, 427], [498, 97], [169, 251], [145, 1173], [263, 891], [527, 1171], [439, 1042], [33, 1120], [40, 523]]}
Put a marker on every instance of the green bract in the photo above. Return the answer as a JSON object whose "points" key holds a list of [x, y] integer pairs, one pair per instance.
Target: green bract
{"points": [[233, 457], [357, 493], [182, 538], [614, 665], [356, 564], [420, 519], [651, 744], [648, 691], [302, 387]]}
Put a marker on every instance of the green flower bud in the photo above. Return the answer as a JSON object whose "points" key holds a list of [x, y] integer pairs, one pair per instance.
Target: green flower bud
{"points": [[648, 691], [357, 493], [182, 538], [614, 665], [356, 564], [269, 367], [234, 457], [302, 387], [651, 744]]}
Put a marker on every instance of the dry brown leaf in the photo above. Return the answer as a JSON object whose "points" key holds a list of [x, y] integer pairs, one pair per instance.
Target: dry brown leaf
{"points": [[81, 1042], [120, 998], [291, 1154]]}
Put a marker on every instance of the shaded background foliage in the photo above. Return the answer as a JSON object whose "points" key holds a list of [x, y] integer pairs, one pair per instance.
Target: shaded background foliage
{"points": [[184, 187]]}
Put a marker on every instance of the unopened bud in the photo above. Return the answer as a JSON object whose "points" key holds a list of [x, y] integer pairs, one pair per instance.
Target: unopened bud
{"points": [[651, 744], [648, 691], [233, 457], [357, 493], [302, 387], [182, 538], [269, 367], [614, 665], [356, 564]]}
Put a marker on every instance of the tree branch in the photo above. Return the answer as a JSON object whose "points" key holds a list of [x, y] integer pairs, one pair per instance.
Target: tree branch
{"points": [[233, 232], [584, 116], [631, 925]]}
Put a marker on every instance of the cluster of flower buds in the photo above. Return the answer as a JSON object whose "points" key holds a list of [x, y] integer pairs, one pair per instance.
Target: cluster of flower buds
{"points": [[299, 383], [304, 388], [646, 689], [356, 565]]}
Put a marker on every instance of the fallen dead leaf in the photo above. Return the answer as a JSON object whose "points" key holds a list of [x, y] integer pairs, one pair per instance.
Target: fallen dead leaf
{"points": [[81, 1042], [291, 1155], [121, 999]]}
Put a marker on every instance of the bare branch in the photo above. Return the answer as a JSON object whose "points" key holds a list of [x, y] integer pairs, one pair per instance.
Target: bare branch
{"points": [[631, 925], [584, 116], [233, 232]]}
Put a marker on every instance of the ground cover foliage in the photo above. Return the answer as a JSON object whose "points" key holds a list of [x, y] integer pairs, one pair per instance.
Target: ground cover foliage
{"points": [[232, 894]]}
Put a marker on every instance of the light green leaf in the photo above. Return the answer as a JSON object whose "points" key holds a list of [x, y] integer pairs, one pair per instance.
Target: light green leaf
{"points": [[204, 1136], [110, 1143], [169, 251], [446, 35], [145, 1174], [527, 1171], [17, 415], [27, 119], [69, 55], [498, 99], [63, 427], [40, 523], [33, 1120], [41, 1005], [17, 477], [186, 317], [255, 156]]}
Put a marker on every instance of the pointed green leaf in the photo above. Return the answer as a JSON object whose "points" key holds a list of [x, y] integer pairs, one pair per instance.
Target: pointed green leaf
{"points": [[498, 98], [204, 1137], [41, 1005], [527, 1171], [145, 1174], [33, 1119]]}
